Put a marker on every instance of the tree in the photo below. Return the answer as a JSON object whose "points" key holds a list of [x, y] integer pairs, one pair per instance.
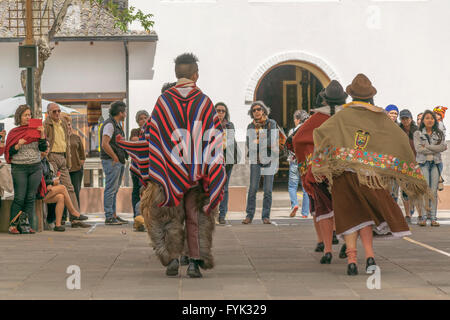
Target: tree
{"points": [[123, 16]]}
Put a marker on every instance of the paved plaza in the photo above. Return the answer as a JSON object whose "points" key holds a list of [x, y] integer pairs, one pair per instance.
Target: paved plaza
{"points": [[253, 262]]}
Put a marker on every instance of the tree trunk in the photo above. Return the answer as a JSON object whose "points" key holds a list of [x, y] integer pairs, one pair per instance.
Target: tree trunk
{"points": [[44, 51]]}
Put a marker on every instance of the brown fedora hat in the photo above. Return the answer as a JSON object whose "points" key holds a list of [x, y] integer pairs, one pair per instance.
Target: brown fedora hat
{"points": [[361, 87]]}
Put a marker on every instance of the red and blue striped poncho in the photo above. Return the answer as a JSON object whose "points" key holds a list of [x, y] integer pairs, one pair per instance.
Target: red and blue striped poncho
{"points": [[181, 146]]}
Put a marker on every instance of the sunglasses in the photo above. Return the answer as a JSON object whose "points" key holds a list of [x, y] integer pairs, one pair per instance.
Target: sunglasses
{"points": [[56, 111], [220, 111], [256, 109]]}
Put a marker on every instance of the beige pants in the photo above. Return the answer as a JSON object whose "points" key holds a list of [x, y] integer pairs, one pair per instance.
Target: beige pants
{"points": [[58, 161]]}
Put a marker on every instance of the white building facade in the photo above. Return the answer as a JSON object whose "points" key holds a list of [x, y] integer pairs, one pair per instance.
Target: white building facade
{"points": [[281, 51]]}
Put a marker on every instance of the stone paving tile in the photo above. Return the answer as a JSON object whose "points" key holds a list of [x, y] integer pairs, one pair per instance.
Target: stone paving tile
{"points": [[252, 262]]}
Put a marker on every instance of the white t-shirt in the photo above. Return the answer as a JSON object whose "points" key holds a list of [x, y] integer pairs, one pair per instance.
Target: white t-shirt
{"points": [[108, 130]]}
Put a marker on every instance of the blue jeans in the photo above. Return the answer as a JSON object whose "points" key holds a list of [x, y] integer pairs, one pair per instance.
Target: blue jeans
{"points": [[223, 207], [431, 173], [255, 176], [294, 181], [113, 177]]}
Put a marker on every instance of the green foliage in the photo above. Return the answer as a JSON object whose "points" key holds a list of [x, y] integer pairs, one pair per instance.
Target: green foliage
{"points": [[124, 17]]}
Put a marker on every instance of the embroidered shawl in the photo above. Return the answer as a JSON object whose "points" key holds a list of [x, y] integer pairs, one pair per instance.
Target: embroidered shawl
{"points": [[362, 138], [181, 146]]}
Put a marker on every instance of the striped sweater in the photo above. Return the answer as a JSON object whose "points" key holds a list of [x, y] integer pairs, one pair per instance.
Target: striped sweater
{"points": [[181, 146]]}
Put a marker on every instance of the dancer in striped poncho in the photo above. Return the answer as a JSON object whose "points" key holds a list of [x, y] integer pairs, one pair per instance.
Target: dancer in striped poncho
{"points": [[180, 159]]}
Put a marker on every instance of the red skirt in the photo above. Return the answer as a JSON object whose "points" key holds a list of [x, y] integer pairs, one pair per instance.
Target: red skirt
{"points": [[320, 203]]}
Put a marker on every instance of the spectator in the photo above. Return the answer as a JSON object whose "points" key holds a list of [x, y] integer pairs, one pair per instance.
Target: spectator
{"points": [[6, 183], [260, 130], [300, 116], [392, 112], [419, 119], [409, 127], [139, 222], [166, 86], [439, 112], [23, 151], [230, 151], [429, 142], [57, 132], [77, 159], [141, 120], [113, 160], [57, 193]]}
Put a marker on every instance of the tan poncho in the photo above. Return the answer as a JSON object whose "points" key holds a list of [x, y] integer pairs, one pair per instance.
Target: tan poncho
{"points": [[363, 139]]}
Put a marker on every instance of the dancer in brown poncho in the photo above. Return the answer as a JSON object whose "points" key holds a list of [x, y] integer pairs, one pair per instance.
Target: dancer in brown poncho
{"points": [[361, 151]]}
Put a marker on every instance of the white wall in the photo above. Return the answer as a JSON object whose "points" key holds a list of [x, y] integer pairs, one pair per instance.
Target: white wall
{"points": [[404, 52], [73, 67], [9, 70], [81, 67]]}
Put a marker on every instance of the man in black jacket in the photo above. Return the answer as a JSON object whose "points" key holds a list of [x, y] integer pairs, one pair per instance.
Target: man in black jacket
{"points": [[113, 160]]}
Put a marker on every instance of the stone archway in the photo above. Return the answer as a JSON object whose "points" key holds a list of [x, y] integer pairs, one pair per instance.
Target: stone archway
{"points": [[320, 68]]}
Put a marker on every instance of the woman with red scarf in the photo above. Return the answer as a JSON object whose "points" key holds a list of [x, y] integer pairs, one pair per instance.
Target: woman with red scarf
{"points": [[23, 151]]}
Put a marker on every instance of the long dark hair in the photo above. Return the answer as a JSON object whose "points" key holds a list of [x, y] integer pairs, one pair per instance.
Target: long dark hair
{"points": [[434, 128]]}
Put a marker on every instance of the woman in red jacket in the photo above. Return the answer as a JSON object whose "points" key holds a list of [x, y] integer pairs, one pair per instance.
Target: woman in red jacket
{"points": [[329, 101]]}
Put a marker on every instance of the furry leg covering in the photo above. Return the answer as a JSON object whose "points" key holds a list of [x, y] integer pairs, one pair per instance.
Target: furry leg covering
{"points": [[165, 226]]}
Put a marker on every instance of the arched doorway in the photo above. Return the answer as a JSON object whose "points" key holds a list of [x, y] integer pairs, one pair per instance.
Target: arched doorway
{"points": [[286, 87]]}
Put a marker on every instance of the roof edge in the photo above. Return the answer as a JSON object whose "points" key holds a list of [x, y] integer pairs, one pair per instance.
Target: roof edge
{"points": [[133, 38]]}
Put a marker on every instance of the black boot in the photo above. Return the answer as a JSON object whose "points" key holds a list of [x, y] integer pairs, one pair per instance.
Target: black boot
{"points": [[370, 262], [184, 260], [342, 253], [352, 269], [326, 259], [172, 268], [193, 270], [335, 239], [320, 247]]}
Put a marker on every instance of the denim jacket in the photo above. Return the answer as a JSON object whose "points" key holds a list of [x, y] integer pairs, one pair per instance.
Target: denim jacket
{"points": [[426, 150]]}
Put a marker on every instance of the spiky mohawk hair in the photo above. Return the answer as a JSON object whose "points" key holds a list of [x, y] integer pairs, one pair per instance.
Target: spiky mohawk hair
{"points": [[186, 58]]}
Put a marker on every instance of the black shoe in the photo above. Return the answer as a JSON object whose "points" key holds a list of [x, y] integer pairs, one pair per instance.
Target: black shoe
{"points": [[335, 239], [326, 259], [221, 220], [193, 270], [370, 262], [63, 222], [352, 269], [112, 222], [80, 224], [320, 247], [82, 217], [122, 221], [342, 253], [184, 260], [172, 268], [59, 228]]}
